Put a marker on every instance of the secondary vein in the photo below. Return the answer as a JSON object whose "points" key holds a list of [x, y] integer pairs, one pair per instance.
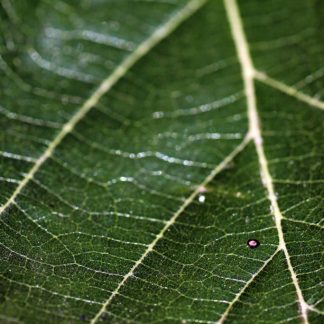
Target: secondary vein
{"points": [[143, 48], [170, 222], [289, 90], [248, 69]]}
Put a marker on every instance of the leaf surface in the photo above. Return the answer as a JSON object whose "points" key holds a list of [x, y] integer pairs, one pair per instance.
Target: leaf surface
{"points": [[144, 143]]}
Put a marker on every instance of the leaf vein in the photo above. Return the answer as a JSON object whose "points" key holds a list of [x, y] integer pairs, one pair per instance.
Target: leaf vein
{"points": [[171, 221], [156, 37]]}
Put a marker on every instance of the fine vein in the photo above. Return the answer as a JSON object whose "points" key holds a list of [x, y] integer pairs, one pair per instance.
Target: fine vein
{"points": [[143, 48], [247, 68], [171, 221]]}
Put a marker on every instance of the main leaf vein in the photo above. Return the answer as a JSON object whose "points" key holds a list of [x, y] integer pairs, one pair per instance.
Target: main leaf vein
{"points": [[248, 75]]}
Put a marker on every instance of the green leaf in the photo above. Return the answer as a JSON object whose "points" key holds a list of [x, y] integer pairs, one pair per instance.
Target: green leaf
{"points": [[144, 143]]}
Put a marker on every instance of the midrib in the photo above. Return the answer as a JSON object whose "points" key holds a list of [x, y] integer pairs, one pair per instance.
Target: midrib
{"points": [[248, 74]]}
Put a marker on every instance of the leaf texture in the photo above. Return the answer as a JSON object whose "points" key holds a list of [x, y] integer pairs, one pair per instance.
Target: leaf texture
{"points": [[143, 143]]}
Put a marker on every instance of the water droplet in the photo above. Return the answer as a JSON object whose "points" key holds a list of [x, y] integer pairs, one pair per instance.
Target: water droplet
{"points": [[201, 198], [253, 243]]}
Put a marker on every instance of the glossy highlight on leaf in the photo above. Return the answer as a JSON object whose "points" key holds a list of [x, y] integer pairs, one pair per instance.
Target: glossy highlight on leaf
{"points": [[161, 161]]}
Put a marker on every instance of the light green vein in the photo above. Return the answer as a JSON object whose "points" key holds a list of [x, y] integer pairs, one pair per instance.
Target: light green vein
{"points": [[143, 48]]}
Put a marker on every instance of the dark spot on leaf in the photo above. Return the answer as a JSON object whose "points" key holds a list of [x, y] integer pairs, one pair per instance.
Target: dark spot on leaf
{"points": [[253, 243]]}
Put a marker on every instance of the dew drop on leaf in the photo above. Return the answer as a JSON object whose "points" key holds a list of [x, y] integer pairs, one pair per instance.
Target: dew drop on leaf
{"points": [[253, 243], [201, 198]]}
